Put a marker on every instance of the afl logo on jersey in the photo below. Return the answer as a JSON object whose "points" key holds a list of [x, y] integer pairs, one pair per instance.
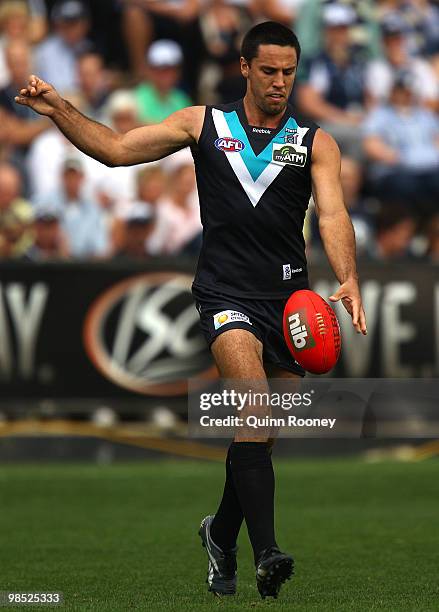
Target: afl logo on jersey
{"points": [[229, 145]]}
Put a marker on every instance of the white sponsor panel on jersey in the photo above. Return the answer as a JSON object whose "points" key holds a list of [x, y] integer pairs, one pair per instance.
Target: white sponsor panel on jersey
{"points": [[289, 154], [254, 189]]}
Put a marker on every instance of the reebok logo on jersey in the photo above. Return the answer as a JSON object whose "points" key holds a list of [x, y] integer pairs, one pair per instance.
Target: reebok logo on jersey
{"points": [[261, 131], [229, 316], [289, 154], [299, 331]]}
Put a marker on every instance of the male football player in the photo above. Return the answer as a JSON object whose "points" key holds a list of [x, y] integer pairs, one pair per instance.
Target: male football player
{"points": [[257, 164]]}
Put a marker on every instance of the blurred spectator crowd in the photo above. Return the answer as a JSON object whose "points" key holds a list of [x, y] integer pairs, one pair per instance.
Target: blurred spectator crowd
{"points": [[369, 75]]}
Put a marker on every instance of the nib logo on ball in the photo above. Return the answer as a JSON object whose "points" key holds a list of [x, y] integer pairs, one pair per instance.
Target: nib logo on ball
{"points": [[300, 334], [311, 331]]}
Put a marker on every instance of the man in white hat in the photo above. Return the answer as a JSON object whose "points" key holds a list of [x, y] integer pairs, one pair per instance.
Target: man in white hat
{"points": [[158, 96]]}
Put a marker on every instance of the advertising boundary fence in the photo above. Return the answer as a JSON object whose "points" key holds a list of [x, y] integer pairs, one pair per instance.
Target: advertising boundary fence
{"points": [[130, 332]]}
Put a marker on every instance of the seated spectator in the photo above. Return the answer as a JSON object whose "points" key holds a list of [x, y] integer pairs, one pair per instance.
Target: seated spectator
{"points": [[122, 111], [22, 124], [361, 209], [151, 182], [15, 214], [421, 21], [81, 218], [145, 21], [55, 58], [17, 23], [395, 229], [49, 241], [178, 228], [44, 162], [137, 225], [14, 235], [402, 144], [94, 85], [222, 27], [158, 96], [116, 186], [18, 61], [333, 91], [151, 187], [38, 23], [15, 132], [423, 16], [380, 72]]}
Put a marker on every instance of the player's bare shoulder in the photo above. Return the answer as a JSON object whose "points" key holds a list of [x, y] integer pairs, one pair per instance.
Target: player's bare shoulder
{"points": [[325, 150], [189, 119]]}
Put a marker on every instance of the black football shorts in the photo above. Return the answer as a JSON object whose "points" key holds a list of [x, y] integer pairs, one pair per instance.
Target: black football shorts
{"points": [[263, 318]]}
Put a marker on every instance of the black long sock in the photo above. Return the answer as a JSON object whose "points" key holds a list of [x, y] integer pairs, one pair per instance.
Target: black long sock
{"points": [[253, 476], [229, 516]]}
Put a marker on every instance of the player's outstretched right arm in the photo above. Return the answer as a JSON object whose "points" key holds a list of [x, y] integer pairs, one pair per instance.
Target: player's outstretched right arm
{"points": [[142, 144]]}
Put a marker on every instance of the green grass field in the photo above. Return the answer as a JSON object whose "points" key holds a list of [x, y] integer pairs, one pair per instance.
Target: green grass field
{"points": [[365, 536]]}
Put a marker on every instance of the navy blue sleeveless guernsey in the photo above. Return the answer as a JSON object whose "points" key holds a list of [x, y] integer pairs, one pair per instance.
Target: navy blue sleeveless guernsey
{"points": [[254, 186]]}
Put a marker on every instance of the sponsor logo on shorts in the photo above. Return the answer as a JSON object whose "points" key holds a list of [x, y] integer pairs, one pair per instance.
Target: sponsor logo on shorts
{"points": [[229, 316], [292, 155], [300, 333], [229, 145]]}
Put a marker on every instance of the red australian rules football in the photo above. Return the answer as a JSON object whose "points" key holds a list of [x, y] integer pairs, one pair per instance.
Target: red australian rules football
{"points": [[311, 331]]}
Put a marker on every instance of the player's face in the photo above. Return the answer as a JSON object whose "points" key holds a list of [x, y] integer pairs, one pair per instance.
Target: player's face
{"points": [[270, 77]]}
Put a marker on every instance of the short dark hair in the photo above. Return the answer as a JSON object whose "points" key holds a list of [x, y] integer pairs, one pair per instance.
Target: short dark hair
{"points": [[268, 33]]}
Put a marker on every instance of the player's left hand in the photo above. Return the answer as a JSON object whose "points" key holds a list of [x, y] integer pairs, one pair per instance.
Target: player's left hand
{"points": [[349, 294]]}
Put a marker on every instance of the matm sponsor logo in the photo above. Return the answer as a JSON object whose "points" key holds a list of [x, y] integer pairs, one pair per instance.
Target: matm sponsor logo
{"points": [[229, 145], [288, 154]]}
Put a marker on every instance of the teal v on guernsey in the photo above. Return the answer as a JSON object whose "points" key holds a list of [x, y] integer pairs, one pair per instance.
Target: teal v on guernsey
{"points": [[254, 185], [254, 172]]}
